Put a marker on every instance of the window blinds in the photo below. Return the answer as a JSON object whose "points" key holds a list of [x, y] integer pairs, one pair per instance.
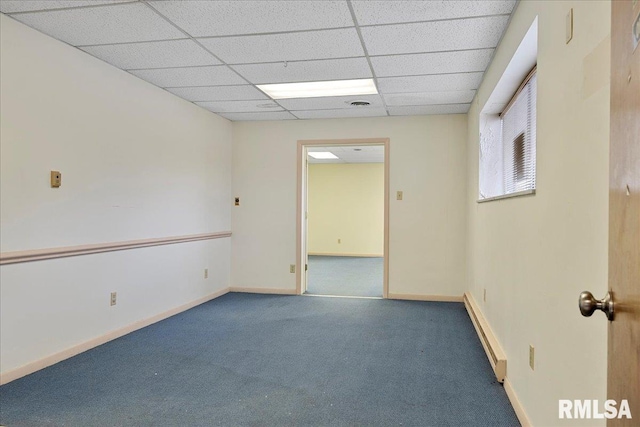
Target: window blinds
{"points": [[519, 139]]}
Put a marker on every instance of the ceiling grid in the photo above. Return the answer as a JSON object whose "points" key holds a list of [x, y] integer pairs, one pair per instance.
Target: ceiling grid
{"points": [[366, 53], [214, 55], [348, 154], [425, 57]]}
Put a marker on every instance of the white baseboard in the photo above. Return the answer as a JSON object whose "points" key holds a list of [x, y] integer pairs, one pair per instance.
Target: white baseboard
{"points": [[52, 359], [492, 348], [264, 291], [436, 298], [517, 406], [497, 357]]}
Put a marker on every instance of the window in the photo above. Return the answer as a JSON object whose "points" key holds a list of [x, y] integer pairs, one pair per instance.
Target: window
{"points": [[507, 149], [518, 122]]}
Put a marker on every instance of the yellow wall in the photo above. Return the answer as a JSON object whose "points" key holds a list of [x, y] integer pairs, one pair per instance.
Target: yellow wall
{"points": [[346, 202], [534, 255]]}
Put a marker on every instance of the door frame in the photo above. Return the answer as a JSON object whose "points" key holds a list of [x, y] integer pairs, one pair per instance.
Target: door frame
{"points": [[301, 198]]}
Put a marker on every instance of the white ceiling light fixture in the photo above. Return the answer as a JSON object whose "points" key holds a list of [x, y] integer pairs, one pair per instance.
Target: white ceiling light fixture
{"points": [[323, 155], [319, 89]]}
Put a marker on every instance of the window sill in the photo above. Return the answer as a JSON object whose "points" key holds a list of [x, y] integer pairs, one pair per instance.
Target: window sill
{"points": [[508, 196]]}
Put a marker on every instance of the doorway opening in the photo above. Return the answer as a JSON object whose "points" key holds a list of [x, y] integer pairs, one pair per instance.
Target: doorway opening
{"points": [[342, 218]]}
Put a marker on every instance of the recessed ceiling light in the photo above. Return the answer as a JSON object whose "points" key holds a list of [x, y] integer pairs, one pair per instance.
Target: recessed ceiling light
{"points": [[323, 155], [317, 89]]}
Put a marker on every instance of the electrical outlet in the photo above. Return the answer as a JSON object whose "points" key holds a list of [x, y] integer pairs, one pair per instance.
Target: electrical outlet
{"points": [[292, 268], [206, 273], [113, 298], [531, 356], [484, 296]]}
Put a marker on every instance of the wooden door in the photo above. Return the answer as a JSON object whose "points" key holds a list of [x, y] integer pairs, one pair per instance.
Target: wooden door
{"points": [[624, 212]]}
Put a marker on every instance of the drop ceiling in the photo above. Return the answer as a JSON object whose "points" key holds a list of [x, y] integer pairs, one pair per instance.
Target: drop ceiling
{"points": [[426, 57], [350, 154]]}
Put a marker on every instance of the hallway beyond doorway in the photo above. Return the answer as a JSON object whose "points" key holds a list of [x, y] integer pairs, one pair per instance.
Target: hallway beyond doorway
{"points": [[345, 276]]}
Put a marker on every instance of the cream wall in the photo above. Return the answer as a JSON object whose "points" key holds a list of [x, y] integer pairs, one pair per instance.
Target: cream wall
{"points": [[427, 229], [136, 162], [534, 255], [346, 203]]}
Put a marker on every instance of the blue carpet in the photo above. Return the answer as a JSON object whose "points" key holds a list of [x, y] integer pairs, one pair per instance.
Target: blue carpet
{"points": [[269, 360], [347, 276]]}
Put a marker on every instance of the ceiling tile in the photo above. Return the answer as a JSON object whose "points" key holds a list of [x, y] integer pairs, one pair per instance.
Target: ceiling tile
{"points": [[430, 83], [216, 18], [120, 23], [286, 47], [218, 93], [391, 12], [304, 71], [429, 98], [429, 109], [312, 160], [13, 6], [174, 53], [432, 63], [348, 154], [368, 149], [335, 114], [241, 106], [268, 115], [472, 33], [429, 56], [362, 149], [330, 102], [193, 76]]}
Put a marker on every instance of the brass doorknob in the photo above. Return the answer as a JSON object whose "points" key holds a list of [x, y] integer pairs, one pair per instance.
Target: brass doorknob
{"points": [[588, 304]]}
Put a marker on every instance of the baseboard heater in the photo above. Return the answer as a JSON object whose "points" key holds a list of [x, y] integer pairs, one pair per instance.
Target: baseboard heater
{"points": [[496, 356]]}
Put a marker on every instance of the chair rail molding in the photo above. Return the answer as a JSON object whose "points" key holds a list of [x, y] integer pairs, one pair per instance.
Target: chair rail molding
{"points": [[70, 251]]}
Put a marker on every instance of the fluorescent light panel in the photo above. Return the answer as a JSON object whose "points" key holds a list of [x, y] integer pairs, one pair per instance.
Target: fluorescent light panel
{"points": [[318, 89], [323, 155]]}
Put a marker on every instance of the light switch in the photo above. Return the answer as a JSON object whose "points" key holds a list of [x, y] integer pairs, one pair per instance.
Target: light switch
{"points": [[399, 195], [237, 201], [56, 179], [531, 356]]}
